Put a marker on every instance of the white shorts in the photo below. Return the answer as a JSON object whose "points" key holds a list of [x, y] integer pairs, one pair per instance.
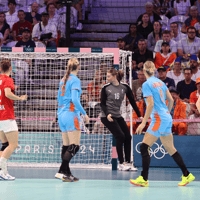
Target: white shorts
{"points": [[8, 125]]}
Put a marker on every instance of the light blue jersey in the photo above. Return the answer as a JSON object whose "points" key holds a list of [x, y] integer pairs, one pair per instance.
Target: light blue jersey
{"points": [[161, 119], [65, 94], [69, 106]]}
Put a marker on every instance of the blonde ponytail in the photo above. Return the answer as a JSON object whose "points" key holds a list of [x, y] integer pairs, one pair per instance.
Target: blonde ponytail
{"points": [[71, 66]]}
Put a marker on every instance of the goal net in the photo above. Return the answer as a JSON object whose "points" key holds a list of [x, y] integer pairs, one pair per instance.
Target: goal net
{"points": [[40, 140]]}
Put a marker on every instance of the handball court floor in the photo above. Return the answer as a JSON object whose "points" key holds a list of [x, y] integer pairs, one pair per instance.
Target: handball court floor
{"points": [[100, 184]]}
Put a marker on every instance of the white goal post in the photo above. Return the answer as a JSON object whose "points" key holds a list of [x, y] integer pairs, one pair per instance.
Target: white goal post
{"points": [[38, 74]]}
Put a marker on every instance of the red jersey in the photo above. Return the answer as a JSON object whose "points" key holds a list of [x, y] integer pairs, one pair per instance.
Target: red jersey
{"points": [[19, 27], [6, 104]]}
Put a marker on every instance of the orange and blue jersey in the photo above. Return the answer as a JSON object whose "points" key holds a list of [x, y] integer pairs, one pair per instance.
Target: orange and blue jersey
{"points": [[161, 119], [65, 95], [69, 106]]}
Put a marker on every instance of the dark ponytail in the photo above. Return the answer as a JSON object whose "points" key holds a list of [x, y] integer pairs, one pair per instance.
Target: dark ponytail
{"points": [[71, 66], [119, 74], [5, 65]]}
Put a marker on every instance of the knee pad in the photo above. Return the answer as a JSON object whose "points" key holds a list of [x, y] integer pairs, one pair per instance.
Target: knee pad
{"points": [[64, 149], [4, 145], [144, 149], [73, 149]]}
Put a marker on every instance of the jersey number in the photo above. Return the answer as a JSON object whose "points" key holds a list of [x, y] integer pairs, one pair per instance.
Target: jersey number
{"points": [[161, 95], [116, 95]]}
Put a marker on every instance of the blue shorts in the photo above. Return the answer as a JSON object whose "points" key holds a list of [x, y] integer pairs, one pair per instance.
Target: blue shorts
{"points": [[160, 126], [69, 121]]}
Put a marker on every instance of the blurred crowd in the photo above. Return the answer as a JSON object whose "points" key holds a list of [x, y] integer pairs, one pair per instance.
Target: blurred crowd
{"points": [[37, 25]]}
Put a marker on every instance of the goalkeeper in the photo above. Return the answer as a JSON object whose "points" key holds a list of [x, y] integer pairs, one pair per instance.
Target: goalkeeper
{"points": [[69, 108], [112, 95]]}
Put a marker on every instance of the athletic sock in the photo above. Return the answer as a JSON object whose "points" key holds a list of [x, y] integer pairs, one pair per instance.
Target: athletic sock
{"points": [[3, 165], [3, 161], [145, 163], [178, 159], [64, 166]]}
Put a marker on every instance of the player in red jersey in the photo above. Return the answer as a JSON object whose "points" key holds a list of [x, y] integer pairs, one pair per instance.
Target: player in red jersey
{"points": [[8, 126]]}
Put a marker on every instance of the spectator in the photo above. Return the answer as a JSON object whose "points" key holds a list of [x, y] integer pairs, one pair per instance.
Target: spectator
{"points": [[166, 38], [192, 20], [162, 74], [77, 5], [44, 8], [1, 38], [134, 71], [33, 17], [4, 28], [11, 15], [145, 27], [178, 111], [137, 85], [44, 33], [53, 17], [186, 86], [193, 99], [194, 66], [189, 45], [177, 36], [131, 40], [26, 39], [142, 54], [164, 57], [166, 8], [182, 7], [149, 10], [154, 36], [197, 4], [20, 25], [121, 43], [142, 108], [94, 88], [176, 73]]}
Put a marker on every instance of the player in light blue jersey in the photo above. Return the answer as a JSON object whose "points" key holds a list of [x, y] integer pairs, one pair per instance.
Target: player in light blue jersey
{"points": [[69, 109], [155, 93]]}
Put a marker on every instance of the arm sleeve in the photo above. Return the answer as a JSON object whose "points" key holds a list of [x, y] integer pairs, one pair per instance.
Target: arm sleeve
{"points": [[76, 102], [131, 99], [103, 101]]}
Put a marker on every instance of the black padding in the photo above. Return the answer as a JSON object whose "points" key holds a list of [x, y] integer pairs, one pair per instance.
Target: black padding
{"points": [[73, 149], [4, 145]]}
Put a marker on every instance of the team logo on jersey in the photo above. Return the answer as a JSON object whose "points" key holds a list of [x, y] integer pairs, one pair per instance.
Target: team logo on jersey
{"points": [[122, 91], [109, 91]]}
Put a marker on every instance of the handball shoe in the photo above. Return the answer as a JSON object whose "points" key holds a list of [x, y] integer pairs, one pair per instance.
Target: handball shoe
{"points": [[132, 167], [6, 177], [186, 180], [124, 166], [139, 182], [70, 178], [59, 175]]}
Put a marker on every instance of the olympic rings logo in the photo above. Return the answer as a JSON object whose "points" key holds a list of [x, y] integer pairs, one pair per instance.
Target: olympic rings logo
{"points": [[156, 150]]}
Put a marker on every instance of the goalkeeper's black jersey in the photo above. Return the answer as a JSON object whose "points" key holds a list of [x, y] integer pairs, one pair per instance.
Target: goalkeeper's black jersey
{"points": [[112, 97]]}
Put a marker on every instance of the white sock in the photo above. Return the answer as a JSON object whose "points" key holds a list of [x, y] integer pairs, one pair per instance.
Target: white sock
{"points": [[3, 161]]}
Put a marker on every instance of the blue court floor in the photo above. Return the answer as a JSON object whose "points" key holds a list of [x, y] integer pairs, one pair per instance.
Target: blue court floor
{"points": [[96, 184]]}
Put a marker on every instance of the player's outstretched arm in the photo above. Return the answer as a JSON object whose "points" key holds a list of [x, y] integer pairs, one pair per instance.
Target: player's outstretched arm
{"points": [[148, 112], [131, 99], [170, 100], [10, 95]]}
